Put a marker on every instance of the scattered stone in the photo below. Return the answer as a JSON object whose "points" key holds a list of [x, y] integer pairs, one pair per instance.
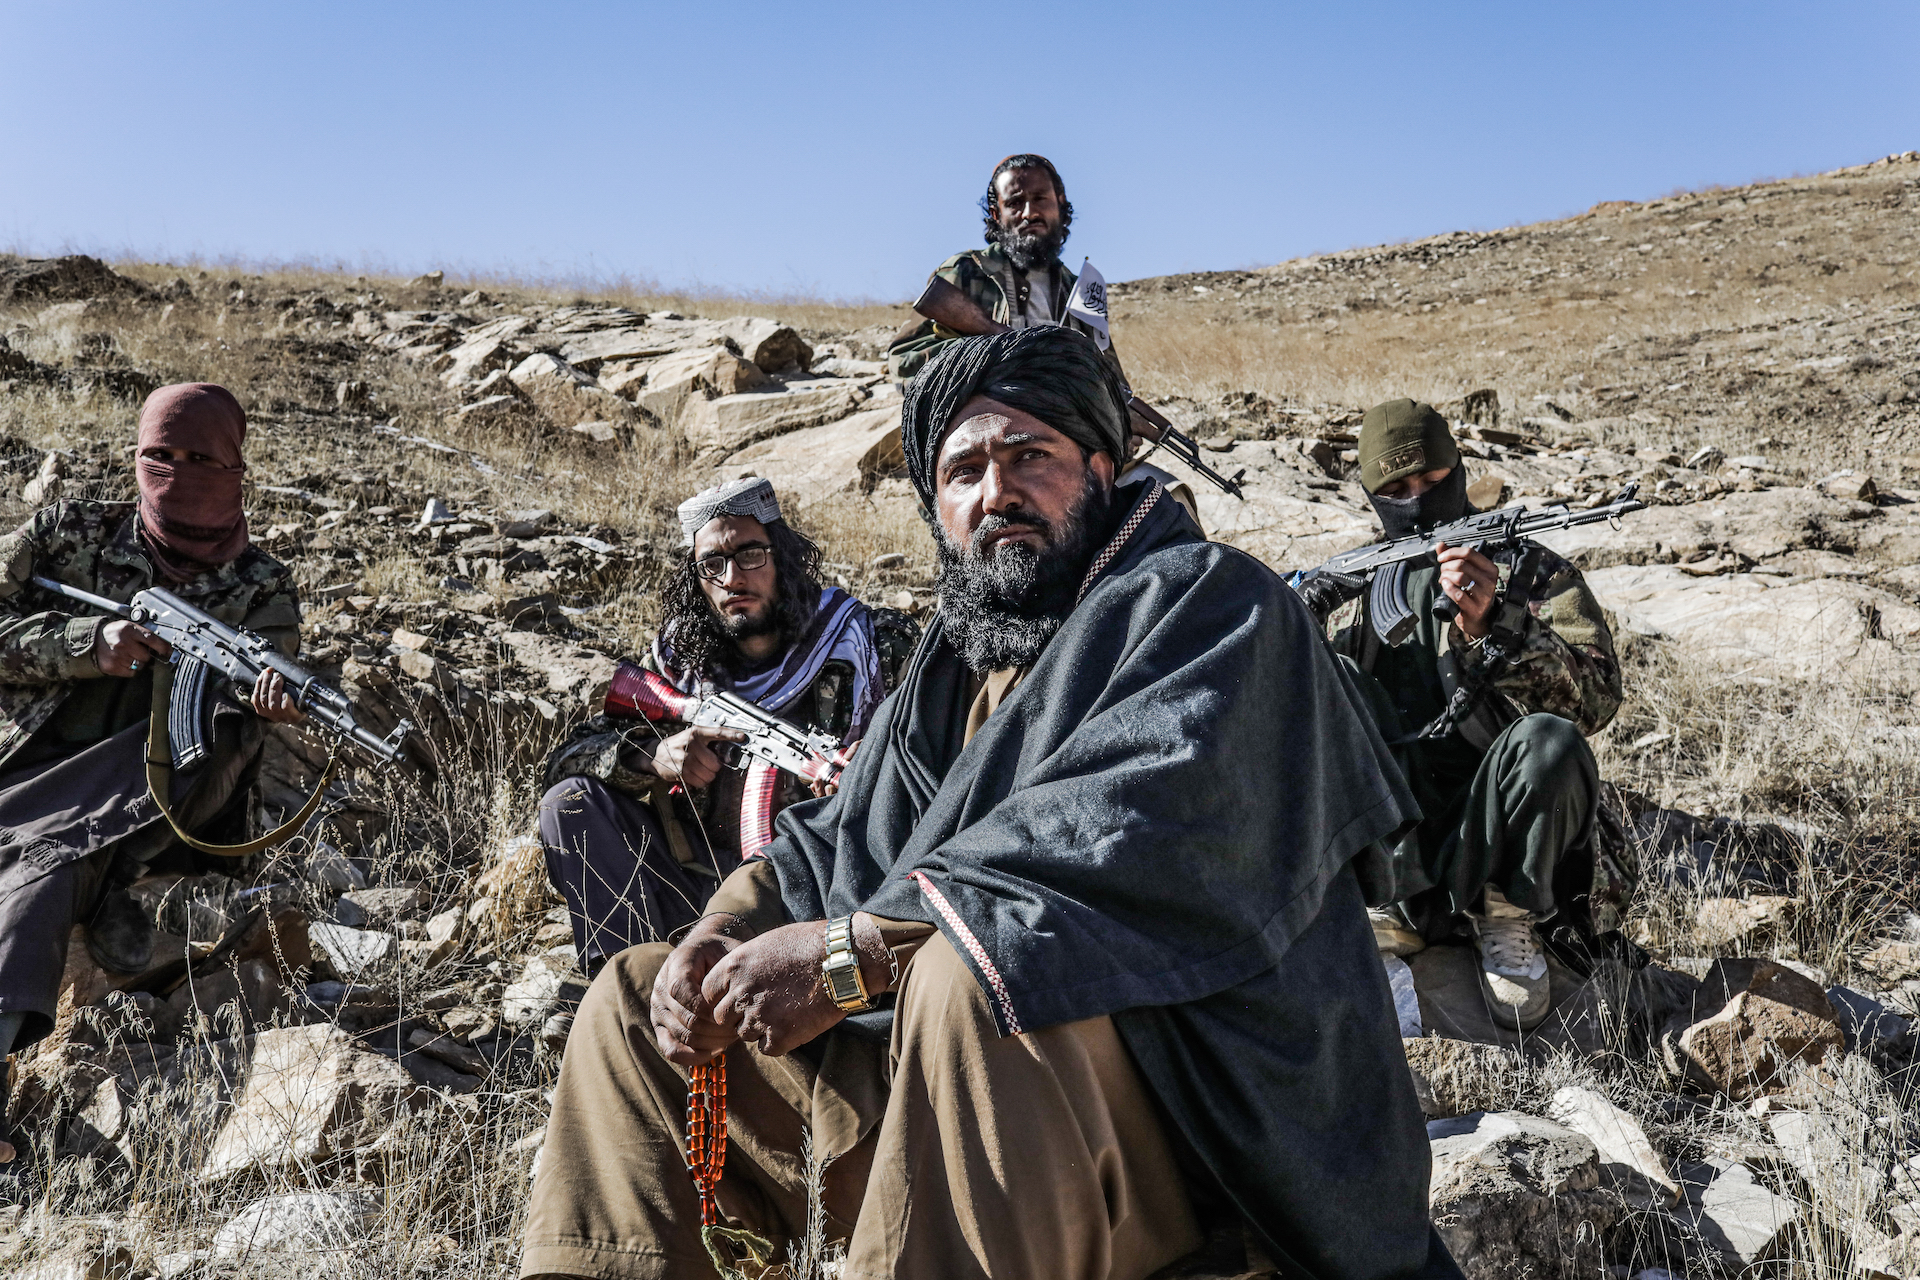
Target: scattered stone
{"points": [[307, 1094], [1752, 1018], [555, 1030], [698, 373], [353, 952], [450, 1051], [1893, 962], [1516, 1195], [767, 344], [327, 1222], [598, 432], [544, 372], [850, 455], [435, 512], [1734, 1215], [363, 907], [1746, 922], [1625, 1151], [45, 487], [548, 983], [411, 639]]}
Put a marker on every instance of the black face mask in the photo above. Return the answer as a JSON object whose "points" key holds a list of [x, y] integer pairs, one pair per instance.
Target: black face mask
{"points": [[1445, 501]]}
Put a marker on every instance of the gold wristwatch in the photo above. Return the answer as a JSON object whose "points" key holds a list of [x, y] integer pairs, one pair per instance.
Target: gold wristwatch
{"points": [[840, 971]]}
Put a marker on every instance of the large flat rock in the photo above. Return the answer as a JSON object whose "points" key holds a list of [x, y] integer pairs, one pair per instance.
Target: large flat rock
{"points": [[837, 457], [1806, 627], [728, 424]]}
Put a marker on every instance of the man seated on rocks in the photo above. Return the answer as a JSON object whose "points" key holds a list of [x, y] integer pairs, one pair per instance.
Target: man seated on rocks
{"points": [[1020, 281], [1507, 781], [1072, 977], [640, 825], [78, 824]]}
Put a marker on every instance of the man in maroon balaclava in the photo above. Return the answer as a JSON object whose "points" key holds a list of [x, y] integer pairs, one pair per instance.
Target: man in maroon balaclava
{"points": [[77, 823]]}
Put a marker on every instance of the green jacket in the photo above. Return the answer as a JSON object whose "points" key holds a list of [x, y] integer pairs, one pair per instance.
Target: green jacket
{"points": [[46, 650], [989, 278]]}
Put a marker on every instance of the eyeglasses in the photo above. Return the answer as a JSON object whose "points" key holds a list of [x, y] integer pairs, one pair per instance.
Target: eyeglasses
{"points": [[748, 558]]}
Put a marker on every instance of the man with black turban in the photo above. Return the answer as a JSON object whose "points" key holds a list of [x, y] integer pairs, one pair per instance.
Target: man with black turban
{"points": [[1509, 786], [1072, 978]]}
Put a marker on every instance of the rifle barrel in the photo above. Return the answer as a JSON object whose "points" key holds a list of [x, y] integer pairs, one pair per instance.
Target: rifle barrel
{"points": [[113, 607]]}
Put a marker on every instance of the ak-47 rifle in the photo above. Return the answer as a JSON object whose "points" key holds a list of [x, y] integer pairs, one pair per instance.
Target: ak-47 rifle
{"points": [[771, 742], [1386, 563], [947, 305], [203, 645]]}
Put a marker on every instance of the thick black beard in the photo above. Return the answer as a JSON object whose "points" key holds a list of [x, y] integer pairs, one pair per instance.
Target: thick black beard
{"points": [[1027, 252], [1001, 610]]}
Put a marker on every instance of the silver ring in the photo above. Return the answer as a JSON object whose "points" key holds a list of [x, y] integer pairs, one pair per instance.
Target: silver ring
{"points": [[1468, 589], [134, 665]]}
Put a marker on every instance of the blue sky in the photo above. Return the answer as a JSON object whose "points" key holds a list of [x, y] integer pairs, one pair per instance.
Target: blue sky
{"points": [[839, 149]]}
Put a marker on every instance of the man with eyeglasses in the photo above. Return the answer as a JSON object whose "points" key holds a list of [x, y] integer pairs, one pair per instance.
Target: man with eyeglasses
{"points": [[641, 822]]}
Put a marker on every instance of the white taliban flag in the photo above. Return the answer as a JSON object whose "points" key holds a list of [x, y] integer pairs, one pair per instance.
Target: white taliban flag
{"points": [[1088, 302]]}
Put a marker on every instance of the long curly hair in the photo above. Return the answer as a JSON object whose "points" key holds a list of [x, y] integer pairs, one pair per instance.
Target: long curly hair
{"points": [[990, 202], [692, 627]]}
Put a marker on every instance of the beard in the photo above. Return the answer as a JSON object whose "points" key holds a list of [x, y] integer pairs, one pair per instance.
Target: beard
{"points": [[1027, 251], [1002, 607], [745, 626]]}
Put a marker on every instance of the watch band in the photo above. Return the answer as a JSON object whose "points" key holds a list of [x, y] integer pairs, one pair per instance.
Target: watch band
{"points": [[840, 971]]}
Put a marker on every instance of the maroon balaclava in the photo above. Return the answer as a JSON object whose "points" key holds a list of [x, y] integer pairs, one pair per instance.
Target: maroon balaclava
{"points": [[190, 511]]}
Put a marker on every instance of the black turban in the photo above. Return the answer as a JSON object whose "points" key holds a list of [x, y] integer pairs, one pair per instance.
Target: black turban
{"points": [[1053, 373]]}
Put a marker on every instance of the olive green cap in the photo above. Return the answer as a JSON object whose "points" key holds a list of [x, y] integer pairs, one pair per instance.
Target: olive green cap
{"points": [[1403, 438]]}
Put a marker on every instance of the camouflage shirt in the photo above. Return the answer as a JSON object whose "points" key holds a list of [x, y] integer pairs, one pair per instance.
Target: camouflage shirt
{"points": [[989, 278], [620, 751], [47, 641], [1562, 663]]}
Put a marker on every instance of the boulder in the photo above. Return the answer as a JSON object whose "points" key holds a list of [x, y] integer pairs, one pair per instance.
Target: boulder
{"points": [[696, 373], [579, 673], [543, 372], [1751, 1018], [592, 351], [1626, 1154], [1516, 1195], [474, 359], [1454, 1077], [307, 1095], [322, 1222], [769, 345], [728, 424], [548, 985], [1732, 1215], [847, 456], [363, 907], [350, 951]]}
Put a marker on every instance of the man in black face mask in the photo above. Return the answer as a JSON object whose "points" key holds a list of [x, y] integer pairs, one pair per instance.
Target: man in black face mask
{"points": [[1509, 791]]}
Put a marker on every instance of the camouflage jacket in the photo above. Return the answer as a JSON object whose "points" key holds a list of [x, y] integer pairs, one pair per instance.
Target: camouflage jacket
{"points": [[620, 751], [988, 277], [1563, 664], [46, 647]]}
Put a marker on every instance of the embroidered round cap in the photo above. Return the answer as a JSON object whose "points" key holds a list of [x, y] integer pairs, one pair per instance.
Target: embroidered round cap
{"points": [[1403, 438], [752, 496]]}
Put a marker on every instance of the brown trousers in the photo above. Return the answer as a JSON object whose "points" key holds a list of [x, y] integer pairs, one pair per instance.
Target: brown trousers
{"points": [[957, 1152]]}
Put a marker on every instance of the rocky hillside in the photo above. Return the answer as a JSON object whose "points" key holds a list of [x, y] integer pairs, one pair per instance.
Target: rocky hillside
{"points": [[345, 1044]]}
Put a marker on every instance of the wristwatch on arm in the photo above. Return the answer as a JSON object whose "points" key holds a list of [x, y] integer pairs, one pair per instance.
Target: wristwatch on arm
{"points": [[840, 971]]}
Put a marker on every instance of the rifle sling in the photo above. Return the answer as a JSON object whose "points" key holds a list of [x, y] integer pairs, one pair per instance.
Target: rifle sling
{"points": [[160, 779]]}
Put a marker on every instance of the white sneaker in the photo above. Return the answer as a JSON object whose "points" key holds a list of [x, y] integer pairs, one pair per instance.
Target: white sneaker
{"points": [[1391, 934], [1513, 964]]}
